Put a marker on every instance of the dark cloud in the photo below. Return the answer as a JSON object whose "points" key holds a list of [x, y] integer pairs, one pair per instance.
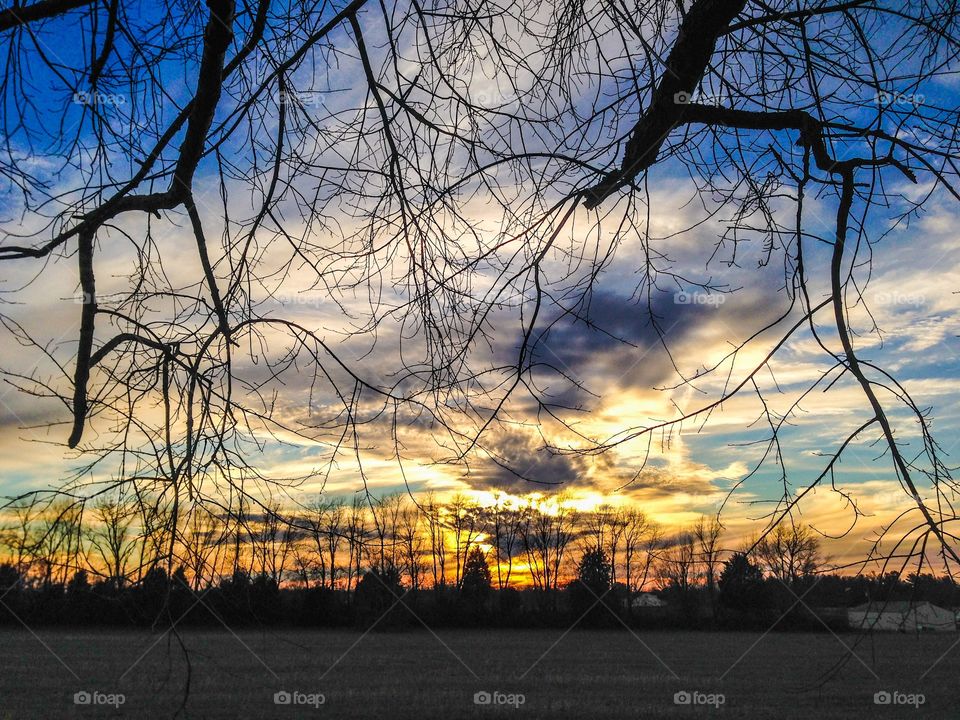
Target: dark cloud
{"points": [[613, 342], [515, 462], [659, 482], [518, 465], [610, 322]]}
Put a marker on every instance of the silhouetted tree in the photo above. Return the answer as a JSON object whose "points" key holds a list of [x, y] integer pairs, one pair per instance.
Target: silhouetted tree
{"points": [[790, 552], [742, 589], [410, 537], [378, 599], [152, 594], [79, 583], [476, 575], [547, 533], [10, 590], [707, 532], [9, 576], [677, 575], [589, 591], [475, 584], [110, 536], [637, 531], [504, 523]]}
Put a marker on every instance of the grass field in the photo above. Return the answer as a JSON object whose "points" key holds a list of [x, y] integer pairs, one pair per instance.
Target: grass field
{"points": [[420, 675]]}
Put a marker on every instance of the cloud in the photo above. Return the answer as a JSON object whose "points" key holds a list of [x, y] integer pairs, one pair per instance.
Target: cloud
{"points": [[613, 331], [515, 462]]}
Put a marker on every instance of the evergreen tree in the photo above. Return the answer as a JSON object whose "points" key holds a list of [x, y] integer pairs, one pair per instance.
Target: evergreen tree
{"points": [[741, 585], [476, 581], [589, 592]]}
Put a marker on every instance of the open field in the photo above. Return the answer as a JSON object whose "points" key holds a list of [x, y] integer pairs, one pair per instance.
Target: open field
{"points": [[420, 675]]}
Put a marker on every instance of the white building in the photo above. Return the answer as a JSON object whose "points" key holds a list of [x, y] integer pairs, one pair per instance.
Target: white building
{"points": [[645, 600], [902, 616]]}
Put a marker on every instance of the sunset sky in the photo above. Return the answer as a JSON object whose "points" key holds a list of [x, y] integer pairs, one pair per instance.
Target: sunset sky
{"points": [[621, 362], [615, 369]]}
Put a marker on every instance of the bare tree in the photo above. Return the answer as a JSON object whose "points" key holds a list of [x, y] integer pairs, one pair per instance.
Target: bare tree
{"points": [[271, 540], [653, 548], [677, 566], [790, 552], [357, 533], [505, 525], [305, 565], [410, 537], [18, 534], [438, 542], [203, 545], [547, 534], [157, 534], [707, 532], [110, 536], [595, 525], [637, 530], [326, 521], [332, 528], [465, 521], [618, 527], [315, 563], [56, 543]]}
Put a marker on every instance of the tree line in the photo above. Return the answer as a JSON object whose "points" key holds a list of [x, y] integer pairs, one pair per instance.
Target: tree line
{"points": [[392, 559], [327, 543]]}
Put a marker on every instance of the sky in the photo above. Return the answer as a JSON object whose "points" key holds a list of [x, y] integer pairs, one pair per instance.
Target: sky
{"points": [[608, 365]]}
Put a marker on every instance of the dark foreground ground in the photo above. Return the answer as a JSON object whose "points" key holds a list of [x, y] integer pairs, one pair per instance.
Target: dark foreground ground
{"points": [[580, 674]]}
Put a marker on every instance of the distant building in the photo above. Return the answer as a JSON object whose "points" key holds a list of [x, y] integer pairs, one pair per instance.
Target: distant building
{"points": [[902, 616], [647, 600]]}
